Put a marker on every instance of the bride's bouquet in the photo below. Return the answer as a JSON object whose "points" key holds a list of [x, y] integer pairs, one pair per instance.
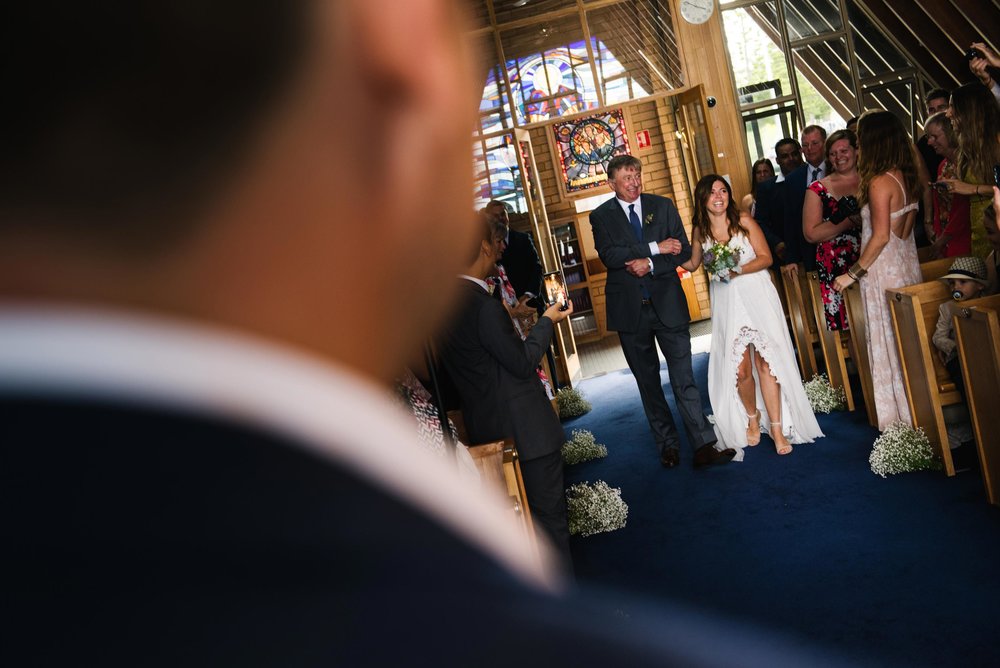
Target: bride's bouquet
{"points": [[721, 262]]}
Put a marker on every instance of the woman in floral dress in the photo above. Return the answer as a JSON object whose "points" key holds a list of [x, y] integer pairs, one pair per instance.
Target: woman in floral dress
{"points": [[830, 219]]}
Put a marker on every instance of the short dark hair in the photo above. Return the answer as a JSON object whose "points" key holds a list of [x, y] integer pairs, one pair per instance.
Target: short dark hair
{"points": [[935, 94], [787, 140], [137, 110], [623, 162]]}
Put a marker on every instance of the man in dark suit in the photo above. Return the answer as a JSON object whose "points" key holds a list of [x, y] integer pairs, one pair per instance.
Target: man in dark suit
{"points": [[494, 372], [642, 242], [520, 259], [797, 249], [770, 207]]}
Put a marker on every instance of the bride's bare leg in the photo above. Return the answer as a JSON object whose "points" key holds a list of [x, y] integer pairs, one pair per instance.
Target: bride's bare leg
{"points": [[771, 391], [747, 391]]}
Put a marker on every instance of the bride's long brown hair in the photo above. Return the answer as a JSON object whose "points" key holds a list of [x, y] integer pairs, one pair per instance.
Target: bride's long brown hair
{"points": [[701, 221]]}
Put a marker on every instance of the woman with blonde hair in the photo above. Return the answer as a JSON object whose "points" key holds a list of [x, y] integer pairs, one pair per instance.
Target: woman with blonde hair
{"points": [[888, 192]]}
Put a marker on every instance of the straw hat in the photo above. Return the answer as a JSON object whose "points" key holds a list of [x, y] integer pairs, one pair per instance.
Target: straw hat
{"points": [[967, 268]]}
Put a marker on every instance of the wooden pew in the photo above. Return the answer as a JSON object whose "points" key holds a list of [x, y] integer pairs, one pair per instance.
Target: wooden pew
{"points": [[858, 340], [830, 343], [802, 322], [977, 331], [500, 469], [914, 312], [931, 270]]}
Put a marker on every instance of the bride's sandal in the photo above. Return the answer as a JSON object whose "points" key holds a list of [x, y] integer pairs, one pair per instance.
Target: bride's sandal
{"points": [[753, 432], [782, 449]]}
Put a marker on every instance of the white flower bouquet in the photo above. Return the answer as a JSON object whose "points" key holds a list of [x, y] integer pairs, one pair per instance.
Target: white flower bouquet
{"points": [[582, 447], [595, 508], [901, 449], [721, 262], [823, 397], [571, 403]]}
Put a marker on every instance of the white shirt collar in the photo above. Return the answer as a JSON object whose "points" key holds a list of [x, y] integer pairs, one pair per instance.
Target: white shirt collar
{"points": [[780, 177], [478, 281], [625, 205], [336, 414]]}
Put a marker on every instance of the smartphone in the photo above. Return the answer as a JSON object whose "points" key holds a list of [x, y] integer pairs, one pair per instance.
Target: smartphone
{"points": [[555, 290], [973, 53], [996, 175]]}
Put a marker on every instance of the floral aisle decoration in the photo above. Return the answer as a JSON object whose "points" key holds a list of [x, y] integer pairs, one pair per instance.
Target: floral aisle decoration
{"points": [[900, 449], [595, 508], [824, 397], [721, 262], [582, 447], [571, 403]]}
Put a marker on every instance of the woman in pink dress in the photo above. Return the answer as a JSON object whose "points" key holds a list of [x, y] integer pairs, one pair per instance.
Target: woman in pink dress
{"points": [[889, 192]]}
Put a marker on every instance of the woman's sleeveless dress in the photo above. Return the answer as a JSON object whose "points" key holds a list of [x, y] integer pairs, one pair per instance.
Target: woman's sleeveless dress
{"points": [[896, 266]]}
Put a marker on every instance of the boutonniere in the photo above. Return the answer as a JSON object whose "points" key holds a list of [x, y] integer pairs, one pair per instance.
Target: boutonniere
{"points": [[649, 219]]}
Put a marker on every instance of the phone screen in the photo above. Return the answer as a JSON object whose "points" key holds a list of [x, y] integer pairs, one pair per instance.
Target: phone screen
{"points": [[555, 289]]}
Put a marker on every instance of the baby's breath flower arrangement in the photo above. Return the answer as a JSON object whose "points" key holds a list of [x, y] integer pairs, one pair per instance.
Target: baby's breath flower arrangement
{"points": [[582, 447], [571, 403], [823, 397], [595, 508], [900, 449]]}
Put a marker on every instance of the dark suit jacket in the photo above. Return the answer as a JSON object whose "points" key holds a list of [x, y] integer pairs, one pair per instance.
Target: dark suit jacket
{"points": [[494, 372], [616, 244], [521, 262], [797, 249], [769, 212]]}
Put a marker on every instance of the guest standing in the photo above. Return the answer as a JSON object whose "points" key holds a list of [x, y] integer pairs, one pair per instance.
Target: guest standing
{"points": [[888, 192], [797, 249], [976, 118], [762, 170], [951, 234], [829, 220]]}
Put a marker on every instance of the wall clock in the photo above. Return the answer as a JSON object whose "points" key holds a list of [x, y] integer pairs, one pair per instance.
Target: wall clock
{"points": [[697, 11]]}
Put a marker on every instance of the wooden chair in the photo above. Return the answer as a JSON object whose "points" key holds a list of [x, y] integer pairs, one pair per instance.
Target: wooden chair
{"points": [[977, 331], [802, 322], [858, 340], [914, 311], [830, 343], [932, 270]]}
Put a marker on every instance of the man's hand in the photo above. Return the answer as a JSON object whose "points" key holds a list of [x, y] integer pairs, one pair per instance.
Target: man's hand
{"points": [[790, 271], [522, 310], [669, 247], [779, 250], [638, 267], [555, 315]]}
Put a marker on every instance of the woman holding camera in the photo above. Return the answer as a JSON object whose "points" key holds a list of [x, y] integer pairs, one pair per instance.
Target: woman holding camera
{"points": [[830, 220]]}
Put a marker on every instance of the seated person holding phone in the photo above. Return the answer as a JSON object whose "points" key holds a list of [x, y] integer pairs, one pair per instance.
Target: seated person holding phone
{"points": [[493, 372]]}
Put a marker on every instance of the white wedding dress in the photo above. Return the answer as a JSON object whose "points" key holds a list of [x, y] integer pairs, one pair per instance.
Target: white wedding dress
{"points": [[745, 311]]}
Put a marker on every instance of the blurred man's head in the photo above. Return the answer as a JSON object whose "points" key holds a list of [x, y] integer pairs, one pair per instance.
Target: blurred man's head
{"points": [[788, 154], [814, 145], [208, 160], [497, 208]]}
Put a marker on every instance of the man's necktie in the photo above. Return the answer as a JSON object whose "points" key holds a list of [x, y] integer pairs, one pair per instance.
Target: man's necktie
{"points": [[815, 176], [633, 218]]}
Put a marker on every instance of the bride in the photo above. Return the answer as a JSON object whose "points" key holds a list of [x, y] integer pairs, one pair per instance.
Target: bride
{"points": [[753, 381]]}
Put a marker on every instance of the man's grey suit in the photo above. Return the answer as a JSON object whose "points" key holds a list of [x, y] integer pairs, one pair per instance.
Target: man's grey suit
{"points": [[661, 317]]}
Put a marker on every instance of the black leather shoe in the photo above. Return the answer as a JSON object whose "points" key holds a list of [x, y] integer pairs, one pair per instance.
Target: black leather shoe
{"points": [[707, 455], [670, 458]]}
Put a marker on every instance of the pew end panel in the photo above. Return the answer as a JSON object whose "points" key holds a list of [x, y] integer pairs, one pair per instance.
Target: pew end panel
{"points": [[802, 322], [830, 343], [914, 312], [859, 348], [977, 332]]}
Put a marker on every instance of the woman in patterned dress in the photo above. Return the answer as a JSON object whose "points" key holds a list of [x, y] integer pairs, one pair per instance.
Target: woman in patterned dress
{"points": [[830, 219]]}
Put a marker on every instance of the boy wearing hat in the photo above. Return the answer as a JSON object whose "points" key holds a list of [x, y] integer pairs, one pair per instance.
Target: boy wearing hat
{"points": [[966, 278]]}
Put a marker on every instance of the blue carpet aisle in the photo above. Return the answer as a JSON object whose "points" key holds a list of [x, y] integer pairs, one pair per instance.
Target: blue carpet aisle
{"points": [[897, 571]]}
